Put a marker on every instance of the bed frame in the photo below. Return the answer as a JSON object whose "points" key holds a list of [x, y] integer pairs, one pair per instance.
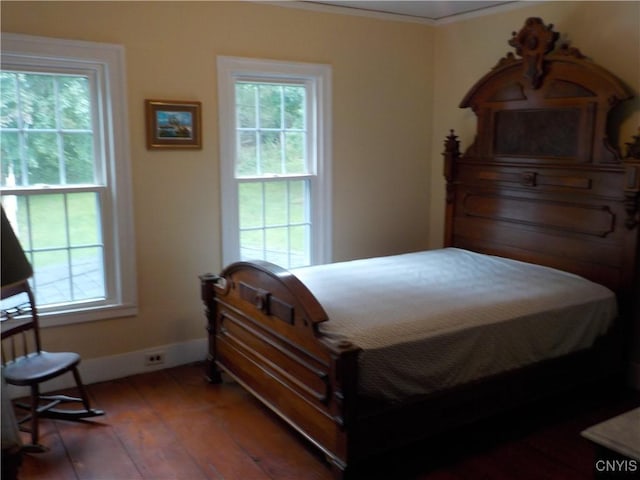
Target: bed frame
{"points": [[541, 183]]}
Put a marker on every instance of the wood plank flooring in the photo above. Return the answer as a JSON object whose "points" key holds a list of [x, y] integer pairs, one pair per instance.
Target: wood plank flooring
{"points": [[172, 424]]}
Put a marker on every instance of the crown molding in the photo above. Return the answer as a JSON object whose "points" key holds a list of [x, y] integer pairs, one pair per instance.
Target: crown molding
{"points": [[339, 10]]}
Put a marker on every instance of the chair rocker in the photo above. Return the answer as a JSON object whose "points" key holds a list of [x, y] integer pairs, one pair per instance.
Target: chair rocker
{"points": [[24, 363]]}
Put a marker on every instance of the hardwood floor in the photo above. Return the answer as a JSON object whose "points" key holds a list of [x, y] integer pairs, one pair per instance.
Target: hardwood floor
{"points": [[171, 424]]}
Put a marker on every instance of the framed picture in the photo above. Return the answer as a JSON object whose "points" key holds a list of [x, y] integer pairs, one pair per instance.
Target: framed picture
{"points": [[173, 124]]}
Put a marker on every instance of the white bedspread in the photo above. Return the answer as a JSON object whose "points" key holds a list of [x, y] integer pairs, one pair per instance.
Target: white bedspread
{"points": [[438, 318]]}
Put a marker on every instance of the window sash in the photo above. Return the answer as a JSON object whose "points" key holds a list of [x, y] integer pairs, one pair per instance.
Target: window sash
{"points": [[58, 129], [67, 245], [283, 131], [279, 230]]}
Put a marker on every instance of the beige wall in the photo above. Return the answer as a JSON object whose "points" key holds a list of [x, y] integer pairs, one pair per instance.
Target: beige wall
{"points": [[381, 127], [396, 90]]}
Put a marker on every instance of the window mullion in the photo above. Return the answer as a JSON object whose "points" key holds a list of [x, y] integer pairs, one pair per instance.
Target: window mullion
{"points": [[258, 133], [97, 125], [53, 189], [288, 217], [29, 226], [310, 130], [58, 129], [67, 234], [264, 219], [283, 162], [258, 137], [22, 141]]}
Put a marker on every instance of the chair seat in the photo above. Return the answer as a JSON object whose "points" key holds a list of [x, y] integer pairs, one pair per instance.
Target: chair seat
{"points": [[39, 367]]}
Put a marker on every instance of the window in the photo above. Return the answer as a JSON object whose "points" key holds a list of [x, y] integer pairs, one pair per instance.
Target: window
{"points": [[65, 174], [275, 147]]}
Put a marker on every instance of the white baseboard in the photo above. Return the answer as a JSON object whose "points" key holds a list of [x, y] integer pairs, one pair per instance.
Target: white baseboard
{"points": [[102, 369]]}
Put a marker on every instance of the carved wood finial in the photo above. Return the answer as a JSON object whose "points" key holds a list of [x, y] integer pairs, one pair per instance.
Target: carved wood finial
{"points": [[452, 144], [451, 154], [632, 182], [532, 43]]}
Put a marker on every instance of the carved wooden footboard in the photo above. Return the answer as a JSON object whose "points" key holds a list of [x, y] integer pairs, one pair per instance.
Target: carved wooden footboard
{"points": [[263, 331]]}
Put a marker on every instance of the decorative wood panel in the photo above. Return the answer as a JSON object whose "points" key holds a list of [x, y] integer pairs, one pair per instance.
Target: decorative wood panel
{"points": [[302, 374], [566, 217], [541, 132]]}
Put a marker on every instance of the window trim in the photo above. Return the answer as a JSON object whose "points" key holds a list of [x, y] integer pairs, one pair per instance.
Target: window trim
{"points": [[231, 68], [108, 63]]}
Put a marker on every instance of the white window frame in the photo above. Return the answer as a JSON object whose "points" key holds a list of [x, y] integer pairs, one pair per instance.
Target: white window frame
{"points": [[106, 64], [318, 77]]}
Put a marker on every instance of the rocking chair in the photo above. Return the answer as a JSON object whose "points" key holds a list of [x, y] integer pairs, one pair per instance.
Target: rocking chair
{"points": [[24, 363]]}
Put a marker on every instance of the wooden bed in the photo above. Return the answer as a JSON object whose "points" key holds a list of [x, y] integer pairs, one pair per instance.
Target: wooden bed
{"points": [[540, 184]]}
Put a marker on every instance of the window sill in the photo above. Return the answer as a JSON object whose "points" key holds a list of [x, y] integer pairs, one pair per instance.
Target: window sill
{"points": [[69, 317]]}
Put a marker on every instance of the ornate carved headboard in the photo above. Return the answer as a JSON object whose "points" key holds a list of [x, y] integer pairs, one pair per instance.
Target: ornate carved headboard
{"points": [[541, 182]]}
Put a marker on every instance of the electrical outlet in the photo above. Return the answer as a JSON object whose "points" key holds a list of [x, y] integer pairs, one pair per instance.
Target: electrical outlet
{"points": [[155, 358]]}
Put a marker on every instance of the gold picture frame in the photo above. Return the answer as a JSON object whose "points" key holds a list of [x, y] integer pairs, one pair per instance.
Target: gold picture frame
{"points": [[173, 124]]}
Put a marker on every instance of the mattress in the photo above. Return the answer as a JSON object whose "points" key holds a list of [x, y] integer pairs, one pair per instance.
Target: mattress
{"points": [[434, 319]]}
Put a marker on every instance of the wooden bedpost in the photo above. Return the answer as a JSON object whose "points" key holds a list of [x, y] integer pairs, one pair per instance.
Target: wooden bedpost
{"points": [[207, 290], [632, 182], [631, 301], [451, 154], [344, 379]]}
